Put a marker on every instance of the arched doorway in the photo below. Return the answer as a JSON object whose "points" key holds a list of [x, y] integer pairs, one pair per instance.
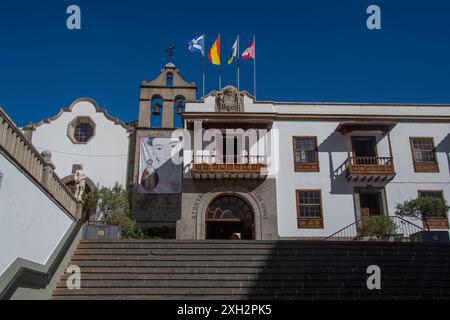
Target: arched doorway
{"points": [[229, 217]]}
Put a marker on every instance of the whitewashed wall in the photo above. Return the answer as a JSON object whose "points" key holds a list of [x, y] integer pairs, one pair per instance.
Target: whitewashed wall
{"points": [[104, 157], [337, 193], [31, 224]]}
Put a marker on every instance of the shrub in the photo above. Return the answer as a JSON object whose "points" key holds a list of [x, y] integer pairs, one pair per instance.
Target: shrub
{"points": [[377, 226], [160, 232], [423, 208]]}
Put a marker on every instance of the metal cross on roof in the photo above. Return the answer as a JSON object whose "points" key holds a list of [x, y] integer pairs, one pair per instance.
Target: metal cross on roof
{"points": [[169, 51]]}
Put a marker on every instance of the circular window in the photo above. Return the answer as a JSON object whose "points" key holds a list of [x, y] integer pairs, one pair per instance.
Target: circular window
{"points": [[81, 130]]}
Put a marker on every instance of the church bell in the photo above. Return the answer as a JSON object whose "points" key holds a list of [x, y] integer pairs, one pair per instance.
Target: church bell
{"points": [[179, 108], [157, 110]]}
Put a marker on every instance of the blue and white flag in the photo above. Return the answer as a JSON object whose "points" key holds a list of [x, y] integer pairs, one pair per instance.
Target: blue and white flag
{"points": [[197, 44]]}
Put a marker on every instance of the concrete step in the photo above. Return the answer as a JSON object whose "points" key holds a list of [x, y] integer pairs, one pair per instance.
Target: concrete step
{"points": [[170, 269], [152, 256]]}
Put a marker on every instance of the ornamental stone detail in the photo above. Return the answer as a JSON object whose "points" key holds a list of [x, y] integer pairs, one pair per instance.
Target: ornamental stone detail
{"points": [[229, 100]]}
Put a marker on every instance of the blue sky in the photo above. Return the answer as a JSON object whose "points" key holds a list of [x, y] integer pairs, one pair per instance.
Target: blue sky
{"points": [[315, 50]]}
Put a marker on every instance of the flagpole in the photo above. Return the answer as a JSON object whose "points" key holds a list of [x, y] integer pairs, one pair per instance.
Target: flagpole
{"points": [[237, 61], [254, 67], [204, 66], [220, 77]]}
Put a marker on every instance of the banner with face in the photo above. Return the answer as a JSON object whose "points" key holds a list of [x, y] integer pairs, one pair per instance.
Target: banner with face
{"points": [[160, 165]]}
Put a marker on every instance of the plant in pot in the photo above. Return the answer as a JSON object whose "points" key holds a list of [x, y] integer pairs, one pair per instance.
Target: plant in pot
{"points": [[377, 227], [423, 208]]}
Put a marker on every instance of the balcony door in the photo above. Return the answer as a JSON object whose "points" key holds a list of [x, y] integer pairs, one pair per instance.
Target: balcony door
{"points": [[364, 150], [370, 202], [230, 149]]}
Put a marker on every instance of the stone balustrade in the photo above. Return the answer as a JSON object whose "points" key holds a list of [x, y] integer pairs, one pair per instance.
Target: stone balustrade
{"points": [[40, 169]]}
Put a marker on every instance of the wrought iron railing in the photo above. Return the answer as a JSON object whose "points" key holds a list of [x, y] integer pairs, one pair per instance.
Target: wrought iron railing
{"points": [[403, 230]]}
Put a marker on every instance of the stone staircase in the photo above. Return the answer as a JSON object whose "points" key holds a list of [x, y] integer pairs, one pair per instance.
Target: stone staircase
{"points": [[171, 269]]}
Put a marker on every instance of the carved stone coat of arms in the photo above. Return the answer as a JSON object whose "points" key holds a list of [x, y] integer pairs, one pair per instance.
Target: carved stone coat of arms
{"points": [[229, 100]]}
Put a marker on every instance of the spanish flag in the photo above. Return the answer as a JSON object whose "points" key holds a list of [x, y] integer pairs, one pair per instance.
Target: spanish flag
{"points": [[214, 52]]}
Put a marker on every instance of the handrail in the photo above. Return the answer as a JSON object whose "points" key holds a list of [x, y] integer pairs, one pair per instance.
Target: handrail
{"points": [[351, 231], [24, 154]]}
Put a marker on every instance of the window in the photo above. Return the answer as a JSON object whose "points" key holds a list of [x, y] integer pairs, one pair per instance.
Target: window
{"points": [[431, 194], [306, 157], [434, 223], [169, 79], [424, 155], [81, 130], [309, 209]]}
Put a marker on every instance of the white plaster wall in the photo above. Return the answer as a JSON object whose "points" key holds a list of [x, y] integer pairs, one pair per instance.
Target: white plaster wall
{"points": [[31, 224], [407, 182], [337, 193], [104, 157], [332, 109], [337, 197]]}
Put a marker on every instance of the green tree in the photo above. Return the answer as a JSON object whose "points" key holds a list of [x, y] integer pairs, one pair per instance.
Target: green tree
{"points": [[114, 204], [423, 208]]}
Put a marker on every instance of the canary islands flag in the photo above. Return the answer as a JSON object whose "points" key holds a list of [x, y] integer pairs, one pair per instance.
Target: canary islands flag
{"points": [[214, 52], [234, 51]]}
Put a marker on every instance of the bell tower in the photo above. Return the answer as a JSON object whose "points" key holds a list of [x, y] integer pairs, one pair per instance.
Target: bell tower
{"points": [[162, 100]]}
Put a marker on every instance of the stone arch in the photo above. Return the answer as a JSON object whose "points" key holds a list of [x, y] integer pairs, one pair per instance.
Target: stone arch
{"points": [[208, 198]]}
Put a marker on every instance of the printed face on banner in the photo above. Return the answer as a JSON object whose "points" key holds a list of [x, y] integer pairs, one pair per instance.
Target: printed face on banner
{"points": [[160, 165]]}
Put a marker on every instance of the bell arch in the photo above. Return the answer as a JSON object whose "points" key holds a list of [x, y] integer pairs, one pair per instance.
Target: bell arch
{"points": [[156, 108]]}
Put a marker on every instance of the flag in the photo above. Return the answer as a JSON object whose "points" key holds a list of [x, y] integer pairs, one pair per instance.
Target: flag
{"points": [[249, 52], [197, 44], [214, 52], [233, 52]]}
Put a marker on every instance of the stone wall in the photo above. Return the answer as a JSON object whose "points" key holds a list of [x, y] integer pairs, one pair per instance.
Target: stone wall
{"points": [[198, 194]]}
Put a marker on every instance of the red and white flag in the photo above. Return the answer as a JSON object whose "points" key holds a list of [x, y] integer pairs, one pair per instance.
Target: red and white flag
{"points": [[249, 52]]}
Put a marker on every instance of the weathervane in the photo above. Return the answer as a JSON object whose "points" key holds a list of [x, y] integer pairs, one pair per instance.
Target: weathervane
{"points": [[169, 51]]}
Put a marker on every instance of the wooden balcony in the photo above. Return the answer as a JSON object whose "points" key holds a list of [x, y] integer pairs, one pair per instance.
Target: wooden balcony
{"points": [[370, 169], [229, 167]]}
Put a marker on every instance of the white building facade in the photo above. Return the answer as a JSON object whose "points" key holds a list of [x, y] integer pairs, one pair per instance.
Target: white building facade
{"points": [[332, 164], [84, 135], [254, 169]]}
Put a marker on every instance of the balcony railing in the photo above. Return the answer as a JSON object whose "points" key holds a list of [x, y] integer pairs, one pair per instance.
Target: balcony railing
{"points": [[362, 168], [229, 166], [23, 153]]}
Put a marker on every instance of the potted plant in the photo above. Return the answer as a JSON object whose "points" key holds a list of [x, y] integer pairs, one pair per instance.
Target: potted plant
{"points": [[377, 228], [424, 209]]}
